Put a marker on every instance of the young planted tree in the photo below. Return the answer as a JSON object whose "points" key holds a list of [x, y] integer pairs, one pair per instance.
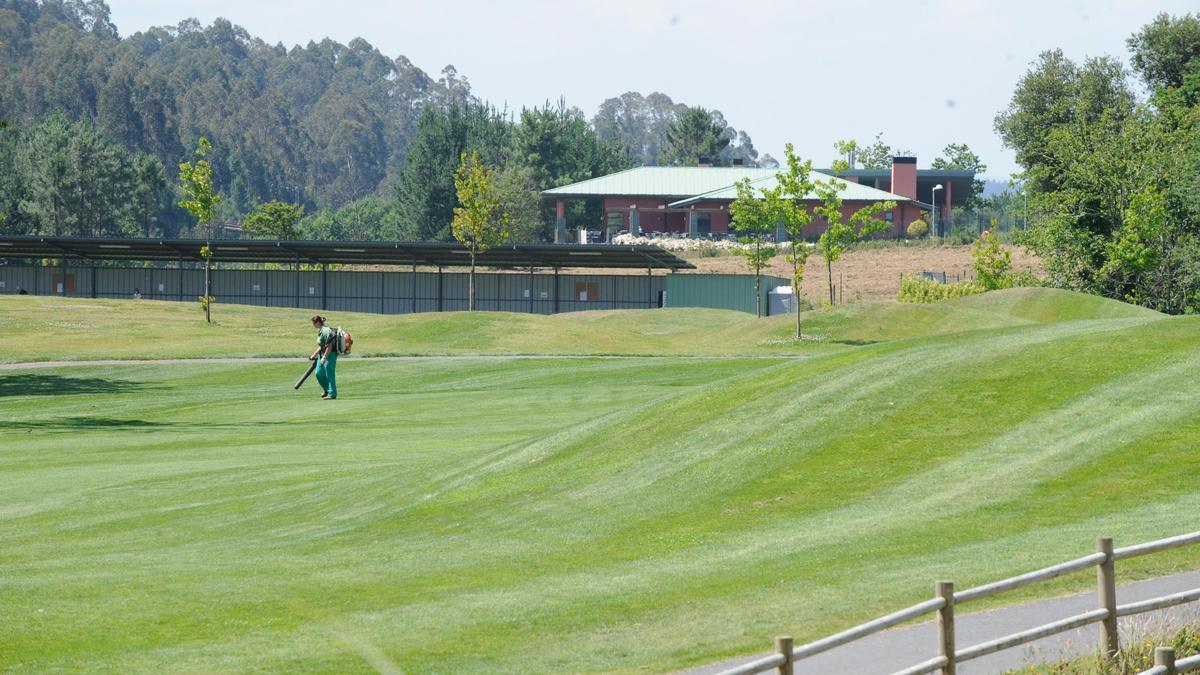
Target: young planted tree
{"points": [[480, 223], [207, 299], [795, 185], [992, 263], [195, 181], [754, 216], [842, 233], [275, 220]]}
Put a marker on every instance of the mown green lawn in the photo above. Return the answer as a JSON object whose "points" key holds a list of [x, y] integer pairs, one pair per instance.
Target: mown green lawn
{"points": [[49, 328], [536, 515]]}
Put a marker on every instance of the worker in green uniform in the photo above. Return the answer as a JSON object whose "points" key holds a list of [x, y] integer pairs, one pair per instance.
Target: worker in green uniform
{"points": [[327, 355]]}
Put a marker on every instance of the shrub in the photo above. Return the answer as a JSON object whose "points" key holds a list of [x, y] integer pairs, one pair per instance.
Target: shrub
{"points": [[993, 263], [917, 229], [1026, 279], [918, 289]]}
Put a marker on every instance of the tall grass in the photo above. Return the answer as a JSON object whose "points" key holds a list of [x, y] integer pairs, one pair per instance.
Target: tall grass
{"points": [[1135, 656]]}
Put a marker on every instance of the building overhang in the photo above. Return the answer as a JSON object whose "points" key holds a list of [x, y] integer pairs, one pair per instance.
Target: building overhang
{"points": [[597, 256]]}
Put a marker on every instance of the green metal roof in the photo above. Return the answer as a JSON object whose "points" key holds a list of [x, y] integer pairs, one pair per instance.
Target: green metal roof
{"points": [[696, 183], [851, 192], [660, 181]]}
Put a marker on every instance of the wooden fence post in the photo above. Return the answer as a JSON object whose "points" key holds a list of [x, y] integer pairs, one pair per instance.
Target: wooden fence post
{"points": [[1165, 656], [1106, 591], [783, 645], [945, 624]]}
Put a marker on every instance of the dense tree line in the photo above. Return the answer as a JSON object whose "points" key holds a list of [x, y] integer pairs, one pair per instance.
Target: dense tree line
{"points": [[1114, 180], [66, 179], [366, 144], [323, 124], [540, 148]]}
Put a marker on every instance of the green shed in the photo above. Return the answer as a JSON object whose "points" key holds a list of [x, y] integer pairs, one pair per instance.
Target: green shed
{"points": [[719, 291]]}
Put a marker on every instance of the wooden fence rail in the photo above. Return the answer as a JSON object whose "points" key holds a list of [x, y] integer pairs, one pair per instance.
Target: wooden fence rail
{"points": [[1165, 663], [946, 599]]}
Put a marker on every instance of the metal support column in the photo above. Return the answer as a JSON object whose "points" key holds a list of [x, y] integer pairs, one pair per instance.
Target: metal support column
{"points": [[179, 291], [439, 305], [649, 287], [556, 290], [62, 273], [324, 270], [382, 292], [531, 289], [93, 281], [414, 287], [296, 290]]}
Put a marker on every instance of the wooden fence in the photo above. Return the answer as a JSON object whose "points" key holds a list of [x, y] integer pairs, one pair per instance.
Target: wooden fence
{"points": [[945, 601], [1165, 663]]}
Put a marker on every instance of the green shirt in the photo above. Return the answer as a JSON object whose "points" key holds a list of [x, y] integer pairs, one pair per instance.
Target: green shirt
{"points": [[326, 337]]}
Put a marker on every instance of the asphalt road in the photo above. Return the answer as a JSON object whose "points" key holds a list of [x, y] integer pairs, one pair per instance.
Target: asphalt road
{"points": [[899, 648]]}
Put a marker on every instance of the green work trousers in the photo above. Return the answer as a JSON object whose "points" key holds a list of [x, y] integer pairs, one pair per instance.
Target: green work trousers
{"points": [[326, 376]]}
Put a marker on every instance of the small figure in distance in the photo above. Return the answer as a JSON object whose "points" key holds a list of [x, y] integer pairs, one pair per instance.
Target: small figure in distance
{"points": [[22, 291], [137, 294]]}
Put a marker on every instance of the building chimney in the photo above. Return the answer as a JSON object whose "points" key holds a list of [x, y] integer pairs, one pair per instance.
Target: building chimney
{"points": [[705, 161], [904, 176]]}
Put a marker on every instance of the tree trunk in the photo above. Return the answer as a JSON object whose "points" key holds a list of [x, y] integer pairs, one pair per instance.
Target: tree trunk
{"points": [[471, 284], [207, 291], [829, 270], [796, 298], [757, 296]]}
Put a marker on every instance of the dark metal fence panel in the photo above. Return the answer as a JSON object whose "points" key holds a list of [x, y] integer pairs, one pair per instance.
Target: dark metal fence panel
{"points": [[585, 292], [241, 287], [13, 278], [387, 292], [427, 291], [121, 282]]}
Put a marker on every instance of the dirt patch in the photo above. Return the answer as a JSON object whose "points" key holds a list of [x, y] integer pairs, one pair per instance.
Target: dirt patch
{"points": [[865, 274], [870, 273]]}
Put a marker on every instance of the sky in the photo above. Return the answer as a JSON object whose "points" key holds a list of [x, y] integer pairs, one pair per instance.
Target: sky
{"points": [[923, 72]]}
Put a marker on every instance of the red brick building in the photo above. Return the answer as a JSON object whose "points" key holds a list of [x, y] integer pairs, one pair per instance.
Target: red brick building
{"points": [[694, 201]]}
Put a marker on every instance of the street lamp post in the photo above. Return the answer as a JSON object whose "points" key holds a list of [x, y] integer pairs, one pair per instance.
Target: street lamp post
{"points": [[933, 202]]}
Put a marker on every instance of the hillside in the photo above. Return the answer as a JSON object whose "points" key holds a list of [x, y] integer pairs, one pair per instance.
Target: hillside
{"points": [[284, 119], [581, 515]]}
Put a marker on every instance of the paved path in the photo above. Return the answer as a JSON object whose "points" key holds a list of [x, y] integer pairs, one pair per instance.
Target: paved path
{"points": [[434, 357], [899, 648]]}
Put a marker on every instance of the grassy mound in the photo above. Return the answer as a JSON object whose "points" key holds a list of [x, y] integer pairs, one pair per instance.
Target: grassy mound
{"points": [[1047, 305], [79, 329]]}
